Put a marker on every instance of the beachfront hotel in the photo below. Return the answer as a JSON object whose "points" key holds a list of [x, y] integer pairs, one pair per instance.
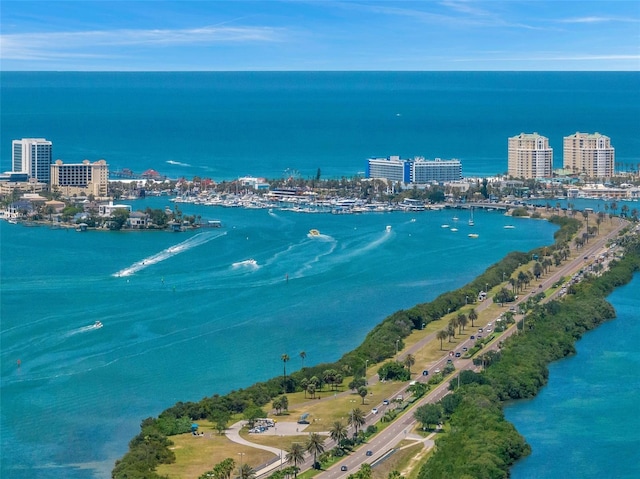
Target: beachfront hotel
{"points": [[81, 179], [530, 156], [589, 154], [33, 157], [415, 170]]}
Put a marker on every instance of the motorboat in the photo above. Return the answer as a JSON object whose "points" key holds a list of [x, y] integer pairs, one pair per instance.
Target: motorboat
{"points": [[314, 232], [509, 227], [444, 226], [473, 235], [388, 228], [454, 229], [97, 324]]}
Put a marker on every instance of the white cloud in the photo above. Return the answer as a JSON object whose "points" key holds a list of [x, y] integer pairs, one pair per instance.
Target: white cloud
{"points": [[595, 19], [21, 46]]}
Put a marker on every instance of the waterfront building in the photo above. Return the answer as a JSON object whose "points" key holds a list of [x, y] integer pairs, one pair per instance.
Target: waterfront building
{"points": [[436, 171], [392, 168], [81, 179], [415, 170], [530, 156], [32, 156], [589, 154]]}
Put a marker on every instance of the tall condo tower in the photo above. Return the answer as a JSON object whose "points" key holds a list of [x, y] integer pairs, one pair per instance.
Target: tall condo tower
{"points": [[589, 154], [530, 156], [32, 156]]}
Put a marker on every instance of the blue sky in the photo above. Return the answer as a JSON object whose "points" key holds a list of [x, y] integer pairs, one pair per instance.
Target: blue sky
{"points": [[114, 35]]}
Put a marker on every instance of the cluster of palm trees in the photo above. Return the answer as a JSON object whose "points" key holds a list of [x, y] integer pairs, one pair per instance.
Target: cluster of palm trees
{"points": [[460, 322], [314, 444]]}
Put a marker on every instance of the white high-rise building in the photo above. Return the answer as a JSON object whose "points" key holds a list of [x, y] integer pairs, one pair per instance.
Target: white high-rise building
{"points": [[589, 154], [32, 156], [530, 156]]}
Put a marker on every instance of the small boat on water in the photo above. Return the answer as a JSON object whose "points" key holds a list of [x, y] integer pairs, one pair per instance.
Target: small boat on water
{"points": [[313, 232], [509, 227], [473, 235], [444, 226], [471, 223], [454, 229], [388, 228], [455, 218], [97, 325]]}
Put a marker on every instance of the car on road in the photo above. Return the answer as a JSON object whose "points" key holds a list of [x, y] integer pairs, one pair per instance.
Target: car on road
{"points": [[457, 355], [473, 337], [437, 371], [449, 361], [465, 349], [385, 402], [374, 410], [369, 453], [479, 336], [425, 372], [343, 468]]}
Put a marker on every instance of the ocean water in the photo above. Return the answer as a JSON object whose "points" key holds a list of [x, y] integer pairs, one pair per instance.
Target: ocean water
{"points": [[225, 125], [187, 315], [585, 422]]}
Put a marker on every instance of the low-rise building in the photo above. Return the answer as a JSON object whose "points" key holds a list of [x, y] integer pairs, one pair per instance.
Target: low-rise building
{"points": [[80, 179]]}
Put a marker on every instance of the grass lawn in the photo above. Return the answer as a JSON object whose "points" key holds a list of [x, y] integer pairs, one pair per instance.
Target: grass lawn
{"points": [[195, 455]]}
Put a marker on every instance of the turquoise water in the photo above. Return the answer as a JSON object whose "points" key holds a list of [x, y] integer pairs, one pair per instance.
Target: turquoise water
{"points": [[188, 316], [585, 422]]}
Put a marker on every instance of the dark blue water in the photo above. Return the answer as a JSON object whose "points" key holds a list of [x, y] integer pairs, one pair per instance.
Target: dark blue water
{"points": [[225, 125]]}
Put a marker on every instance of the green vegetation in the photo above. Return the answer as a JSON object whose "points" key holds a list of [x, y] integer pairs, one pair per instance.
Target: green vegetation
{"points": [[480, 442], [380, 344]]}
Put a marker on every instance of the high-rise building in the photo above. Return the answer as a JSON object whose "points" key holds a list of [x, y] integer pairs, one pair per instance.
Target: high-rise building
{"points": [[414, 170], [82, 179], [589, 154], [392, 168], [530, 156], [427, 171], [32, 156]]}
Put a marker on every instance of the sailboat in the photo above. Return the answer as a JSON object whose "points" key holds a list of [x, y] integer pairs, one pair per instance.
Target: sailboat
{"points": [[471, 223]]}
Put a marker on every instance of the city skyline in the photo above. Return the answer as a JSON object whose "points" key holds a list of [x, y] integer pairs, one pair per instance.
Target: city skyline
{"points": [[318, 36]]}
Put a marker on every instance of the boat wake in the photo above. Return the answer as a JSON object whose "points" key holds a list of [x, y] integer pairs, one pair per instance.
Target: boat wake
{"points": [[197, 240], [247, 263], [177, 163]]}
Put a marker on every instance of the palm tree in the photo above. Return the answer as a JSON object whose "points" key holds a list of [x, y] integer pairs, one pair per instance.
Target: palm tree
{"points": [[409, 361], [302, 356], [247, 472], [338, 432], [357, 419], [442, 335], [473, 316], [462, 322], [315, 446], [285, 358], [295, 455]]}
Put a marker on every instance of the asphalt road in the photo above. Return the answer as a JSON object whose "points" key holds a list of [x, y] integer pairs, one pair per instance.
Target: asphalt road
{"points": [[384, 442]]}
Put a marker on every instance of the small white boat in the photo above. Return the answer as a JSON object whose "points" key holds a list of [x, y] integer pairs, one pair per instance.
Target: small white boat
{"points": [[97, 325], [313, 232], [454, 229], [455, 218], [509, 227], [388, 228], [444, 226], [473, 235]]}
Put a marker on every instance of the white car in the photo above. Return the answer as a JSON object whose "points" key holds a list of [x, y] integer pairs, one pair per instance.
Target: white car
{"points": [[374, 410]]}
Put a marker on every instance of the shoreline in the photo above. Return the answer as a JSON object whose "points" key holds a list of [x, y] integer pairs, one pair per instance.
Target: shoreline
{"points": [[346, 357]]}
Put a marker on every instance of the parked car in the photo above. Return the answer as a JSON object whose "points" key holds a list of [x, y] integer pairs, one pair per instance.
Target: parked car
{"points": [[457, 355]]}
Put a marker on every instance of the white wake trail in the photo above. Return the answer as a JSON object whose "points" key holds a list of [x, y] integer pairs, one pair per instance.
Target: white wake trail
{"points": [[197, 240]]}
